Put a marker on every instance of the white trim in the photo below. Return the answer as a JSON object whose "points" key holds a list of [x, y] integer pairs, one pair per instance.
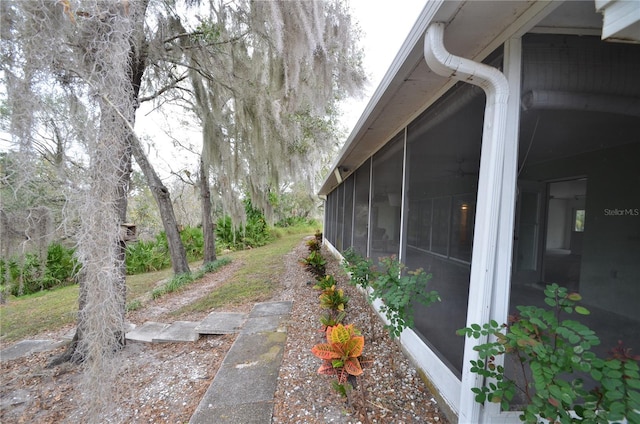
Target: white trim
{"points": [[621, 19], [337, 175], [403, 206], [369, 214], [502, 283], [445, 381]]}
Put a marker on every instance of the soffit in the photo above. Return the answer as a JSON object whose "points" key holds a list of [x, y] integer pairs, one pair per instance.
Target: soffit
{"points": [[474, 29]]}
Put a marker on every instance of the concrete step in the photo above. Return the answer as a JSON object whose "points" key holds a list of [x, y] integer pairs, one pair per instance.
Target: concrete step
{"points": [[243, 389], [222, 323], [188, 331]]}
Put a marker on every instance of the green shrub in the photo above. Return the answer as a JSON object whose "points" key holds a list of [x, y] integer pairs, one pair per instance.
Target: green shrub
{"points": [[316, 264], [193, 242], [360, 269], [254, 233], [396, 288], [30, 274], [5, 272], [25, 276], [314, 245], [215, 265], [134, 305], [297, 221], [399, 291], [552, 355], [146, 256], [325, 283], [61, 267], [178, 282], [333, 299]]}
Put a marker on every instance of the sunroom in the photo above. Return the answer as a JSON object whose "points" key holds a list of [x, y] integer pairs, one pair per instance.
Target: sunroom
{"points": [[515, 167]]}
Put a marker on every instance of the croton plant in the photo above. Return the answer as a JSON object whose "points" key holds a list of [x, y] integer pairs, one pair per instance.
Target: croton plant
{"points": [[341, 352]]}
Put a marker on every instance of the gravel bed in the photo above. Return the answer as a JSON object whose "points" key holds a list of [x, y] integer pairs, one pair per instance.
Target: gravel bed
{"points": [[390, 389]]}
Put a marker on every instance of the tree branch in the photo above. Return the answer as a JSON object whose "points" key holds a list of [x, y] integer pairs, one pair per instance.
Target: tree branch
{"points": [[217, 43], [162, 90]]}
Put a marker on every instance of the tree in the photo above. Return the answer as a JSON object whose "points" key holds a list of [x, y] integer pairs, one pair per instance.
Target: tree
{"points": [[285, 66], [266, 79], [141, 208], [87, 53], [163, 200]]}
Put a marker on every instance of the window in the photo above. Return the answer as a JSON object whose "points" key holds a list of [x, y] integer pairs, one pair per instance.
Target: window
{"points": [[578, 220], [442, 176]]}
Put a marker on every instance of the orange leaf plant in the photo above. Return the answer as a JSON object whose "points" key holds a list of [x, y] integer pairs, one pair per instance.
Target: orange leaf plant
{"points": [[341, 352]]}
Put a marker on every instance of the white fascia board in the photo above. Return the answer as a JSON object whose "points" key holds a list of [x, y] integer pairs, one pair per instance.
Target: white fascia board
{"points": [[621, 20]]}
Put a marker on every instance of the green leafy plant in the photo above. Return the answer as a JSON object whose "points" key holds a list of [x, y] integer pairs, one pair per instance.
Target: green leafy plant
{"points": [[341, 353], [316, 264], [215, 265], [325, 283], [254, 233], [553, 353], [334, 299], [398, 291], [61, 266], [134, 305], [331, 319], [360, 269], [314, 245], [343, 389], [146, 256], [193, 242], [31, 273], [25, 275]]}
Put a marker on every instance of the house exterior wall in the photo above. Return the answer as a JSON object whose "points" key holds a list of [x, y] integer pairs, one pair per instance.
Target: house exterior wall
{"points": [[581, 130]]}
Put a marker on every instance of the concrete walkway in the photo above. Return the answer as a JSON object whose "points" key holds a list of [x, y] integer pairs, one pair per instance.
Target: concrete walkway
{"points": [[243, 389]]}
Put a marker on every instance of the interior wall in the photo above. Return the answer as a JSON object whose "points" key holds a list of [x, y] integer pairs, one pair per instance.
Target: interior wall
{"points": [[611, 244], [557, 224]]}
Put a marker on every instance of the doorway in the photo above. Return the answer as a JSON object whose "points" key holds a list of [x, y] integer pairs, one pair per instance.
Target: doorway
{"points": [[551, 222], [566, 223]]}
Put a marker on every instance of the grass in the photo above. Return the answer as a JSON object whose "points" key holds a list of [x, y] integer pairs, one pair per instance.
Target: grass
{"points": [[27, 316], [179, 281], [139, 284], [34, 313], [255, 281]]}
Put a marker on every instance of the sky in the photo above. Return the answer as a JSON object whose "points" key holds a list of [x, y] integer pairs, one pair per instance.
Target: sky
{"points": [[384, 30]]}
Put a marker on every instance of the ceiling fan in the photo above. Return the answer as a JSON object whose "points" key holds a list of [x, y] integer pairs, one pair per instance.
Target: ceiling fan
{"points": [[460, 172]]}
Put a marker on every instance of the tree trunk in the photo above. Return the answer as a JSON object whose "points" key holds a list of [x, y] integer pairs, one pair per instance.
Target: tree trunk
{"points": [[95, 234], [208, 227], [163, 199], [112, 153]]}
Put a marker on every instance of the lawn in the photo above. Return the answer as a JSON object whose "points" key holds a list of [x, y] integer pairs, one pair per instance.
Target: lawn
{"points": [[27, 316]]}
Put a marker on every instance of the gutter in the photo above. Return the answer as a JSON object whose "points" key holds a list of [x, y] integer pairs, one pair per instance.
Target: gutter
{"points": [[483, 267]]}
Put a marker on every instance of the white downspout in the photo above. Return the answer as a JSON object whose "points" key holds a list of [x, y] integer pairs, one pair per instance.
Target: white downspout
{"points": [[496, 88]]}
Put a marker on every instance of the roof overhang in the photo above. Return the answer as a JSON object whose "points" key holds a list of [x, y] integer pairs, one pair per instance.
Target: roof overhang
{"points": [[621, 20], [474, 29]]}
